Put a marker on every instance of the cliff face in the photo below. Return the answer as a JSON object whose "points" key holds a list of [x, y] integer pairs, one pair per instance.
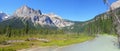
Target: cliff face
{"points": [[115, 5]]}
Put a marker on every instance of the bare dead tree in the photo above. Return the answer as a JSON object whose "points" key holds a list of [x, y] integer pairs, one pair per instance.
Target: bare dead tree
{"points": [[112, 12]]}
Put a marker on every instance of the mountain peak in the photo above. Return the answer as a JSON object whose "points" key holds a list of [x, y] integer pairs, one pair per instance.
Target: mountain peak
{"points": [[115, 5], [26, 11], [37, 18], [53, 15], [25, 7]]}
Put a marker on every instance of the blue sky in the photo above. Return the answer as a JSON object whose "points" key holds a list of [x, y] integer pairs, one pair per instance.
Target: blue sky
{"points": [[76, 10]]}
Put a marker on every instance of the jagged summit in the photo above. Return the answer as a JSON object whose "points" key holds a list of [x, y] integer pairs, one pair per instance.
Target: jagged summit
{"points": [[26, 11], [25, 6], [35, 17], [115, 5]]}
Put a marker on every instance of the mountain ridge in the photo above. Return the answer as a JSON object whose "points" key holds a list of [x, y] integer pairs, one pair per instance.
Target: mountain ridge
{"points": [[36, 17]]}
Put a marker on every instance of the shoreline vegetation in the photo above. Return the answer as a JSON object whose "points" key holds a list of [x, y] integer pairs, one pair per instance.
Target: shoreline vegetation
{"points": [[21, 42]]}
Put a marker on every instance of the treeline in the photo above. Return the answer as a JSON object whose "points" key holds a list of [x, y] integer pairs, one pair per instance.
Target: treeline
{"points": [[100, 24], [9, 30]]}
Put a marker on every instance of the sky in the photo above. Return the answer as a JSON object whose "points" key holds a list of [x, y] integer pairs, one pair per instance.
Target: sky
{"points": [[76, 10]]}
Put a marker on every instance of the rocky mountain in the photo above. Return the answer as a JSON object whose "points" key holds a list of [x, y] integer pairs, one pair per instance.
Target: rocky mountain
{"points": [[37, 17], [115, 5], [26, 11], [101, 23], [26, 15], [3, 16], [23, 16], [58, 21]]}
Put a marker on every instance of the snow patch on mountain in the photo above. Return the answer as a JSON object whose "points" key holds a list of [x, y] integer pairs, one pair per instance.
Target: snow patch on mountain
{"points": [[3, 16]]}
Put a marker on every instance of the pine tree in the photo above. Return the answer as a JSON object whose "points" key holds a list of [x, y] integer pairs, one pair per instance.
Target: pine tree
{"points": [[8, 31], [26, 27]]}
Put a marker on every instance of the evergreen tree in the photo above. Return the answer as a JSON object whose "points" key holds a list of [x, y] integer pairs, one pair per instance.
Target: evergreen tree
{"points": [[26, 27], [8, 31]]}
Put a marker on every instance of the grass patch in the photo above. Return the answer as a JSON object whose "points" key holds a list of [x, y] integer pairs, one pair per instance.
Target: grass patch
{"points": [[54, 40]]}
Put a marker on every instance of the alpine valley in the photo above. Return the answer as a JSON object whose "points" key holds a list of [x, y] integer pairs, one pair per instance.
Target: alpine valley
{"points": [[33, 19], [29, 19], [30, 28]]}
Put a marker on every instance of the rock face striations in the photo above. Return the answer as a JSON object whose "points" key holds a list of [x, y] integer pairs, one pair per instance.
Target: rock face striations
{"points": [[25, 11], [115, 5], [36, 17]]}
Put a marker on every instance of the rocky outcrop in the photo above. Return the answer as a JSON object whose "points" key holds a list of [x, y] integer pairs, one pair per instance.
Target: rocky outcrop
{"points": [[115, 5], [58, 21]]}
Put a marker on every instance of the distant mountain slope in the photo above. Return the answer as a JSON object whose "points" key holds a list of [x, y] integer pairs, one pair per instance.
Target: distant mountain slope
{"points": [[104, 23], [26, 20], [3, 16], [76, 28], [37, 17]]}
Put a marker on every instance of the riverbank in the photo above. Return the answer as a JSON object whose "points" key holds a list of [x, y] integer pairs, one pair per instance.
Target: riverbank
{"points": [[53, 41], [100, 43]]}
